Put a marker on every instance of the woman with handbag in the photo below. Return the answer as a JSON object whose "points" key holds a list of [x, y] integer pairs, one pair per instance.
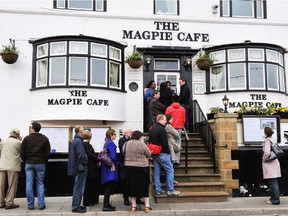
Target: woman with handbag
{"points": [[137, 170], [173, 136], [109, 173], [271, 169]]}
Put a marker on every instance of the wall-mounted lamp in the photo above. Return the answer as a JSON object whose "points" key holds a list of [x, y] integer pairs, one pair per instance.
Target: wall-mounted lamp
{"points": [[147, 63], [187, 64], [215, 8], [225, 103]]}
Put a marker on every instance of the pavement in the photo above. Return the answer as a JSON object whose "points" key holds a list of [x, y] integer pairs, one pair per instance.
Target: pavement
{"points": [[61, 206]]}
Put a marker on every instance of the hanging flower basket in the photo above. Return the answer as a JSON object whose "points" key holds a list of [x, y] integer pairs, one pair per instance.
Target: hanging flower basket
{"points": [[10, 58], [133, 63], [204, 65]]}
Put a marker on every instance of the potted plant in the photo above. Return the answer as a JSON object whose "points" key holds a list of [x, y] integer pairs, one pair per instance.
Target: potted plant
{"points": [[9, 53], [214, 110], [204, 61], [134, 59], [282, 112]]}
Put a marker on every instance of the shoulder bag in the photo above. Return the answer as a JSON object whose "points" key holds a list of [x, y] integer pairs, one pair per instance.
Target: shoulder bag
{"points": [[275, 153], [154, 149], [104, 157]]}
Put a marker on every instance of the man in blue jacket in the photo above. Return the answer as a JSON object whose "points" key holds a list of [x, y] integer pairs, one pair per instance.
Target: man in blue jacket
{"points": [[77, 167]]}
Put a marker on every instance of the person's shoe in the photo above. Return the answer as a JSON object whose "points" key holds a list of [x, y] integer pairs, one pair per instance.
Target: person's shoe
{"points": [[82, 207], [31, 208], [126, 202], [112, 207], [43, 207], [2, 206], [148, 209], [108, 208], [12, 206], [173, 193], [159, 193], [140, 202], [133, 209], [79, 210]]}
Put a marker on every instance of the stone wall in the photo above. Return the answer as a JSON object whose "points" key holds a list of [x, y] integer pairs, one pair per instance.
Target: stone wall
{"points": [[224, 126]]}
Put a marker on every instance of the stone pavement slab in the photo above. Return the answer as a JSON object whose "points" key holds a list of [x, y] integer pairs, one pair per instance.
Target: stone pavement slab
{"points": [[248, 206]]}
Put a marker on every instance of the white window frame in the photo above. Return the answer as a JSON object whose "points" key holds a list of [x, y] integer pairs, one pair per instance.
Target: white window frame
{"points": [[55, 43], [264, 74], [100, 45], [225, 79], [267, 56], [86, 72], [166, 74], [255, 59], [236, 60], [277, 78], [120, 77], [79, 8], [244, 78], [37, 75], [215, 55], [44, 47], [50, 73], [167, 59], [75, 43], [166, 13], [106, 71], [111, 48]]}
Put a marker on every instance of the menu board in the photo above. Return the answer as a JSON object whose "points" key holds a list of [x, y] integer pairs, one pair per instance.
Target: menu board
{"points": [[253, 128], [98, 138], [58, 137]]}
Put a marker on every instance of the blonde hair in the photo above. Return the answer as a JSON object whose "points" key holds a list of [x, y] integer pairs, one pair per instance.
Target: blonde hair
{"points": [[87, 134]]}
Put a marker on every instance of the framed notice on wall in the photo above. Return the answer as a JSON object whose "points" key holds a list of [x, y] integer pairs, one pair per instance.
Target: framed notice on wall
{"points": [[58, 137], [253, 128]]}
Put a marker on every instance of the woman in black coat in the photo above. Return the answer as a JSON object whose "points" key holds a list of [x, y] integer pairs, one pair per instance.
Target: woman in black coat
{"points": [[93, 180]]}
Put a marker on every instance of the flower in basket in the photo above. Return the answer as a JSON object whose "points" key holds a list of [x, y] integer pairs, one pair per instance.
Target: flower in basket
{"points": [[9, 53], [204, 61], [10, 49], [134, 59]]}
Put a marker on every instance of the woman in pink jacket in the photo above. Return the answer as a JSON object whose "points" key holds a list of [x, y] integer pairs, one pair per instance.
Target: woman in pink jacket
{"points": [[271, 170]]}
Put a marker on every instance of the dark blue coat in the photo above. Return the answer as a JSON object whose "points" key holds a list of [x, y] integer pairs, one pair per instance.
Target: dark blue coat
{"points": [[107, 174], [77, 160]]}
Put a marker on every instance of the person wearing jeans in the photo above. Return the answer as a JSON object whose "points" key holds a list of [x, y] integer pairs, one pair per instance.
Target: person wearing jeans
{"points": [[37, 172], [35, 151], [158, 136]]}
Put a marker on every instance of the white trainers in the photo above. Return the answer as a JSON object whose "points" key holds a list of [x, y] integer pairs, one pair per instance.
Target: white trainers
{"points": [[159, 193], [173, 193]]}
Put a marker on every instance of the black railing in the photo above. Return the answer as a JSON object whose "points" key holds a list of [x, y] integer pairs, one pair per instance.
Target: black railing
{"points": [[198, 123], [186, 150]]}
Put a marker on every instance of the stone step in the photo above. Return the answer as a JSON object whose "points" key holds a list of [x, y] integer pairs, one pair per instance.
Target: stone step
{"points": [[195, 153], [192, 168], [185, 197], [198, 160], [197, 186], [197, 177]]}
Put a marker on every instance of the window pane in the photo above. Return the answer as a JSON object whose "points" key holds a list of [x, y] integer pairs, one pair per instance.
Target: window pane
{"points": [[114, 53], [272, 77], [82, 4], [114, 74], [99, 5], [259, 8], [218, 80], [225, 9], [256, 54], [41, 74], [79, 47], [42, 50], [57, 70], [98, 72], [60, 3], [98, 50], [237, 78], [256, 76], [58, 48], [166, 6], [236, 55], [166, 64], [282, 79], [78, 70], [160, 79], [272, 56], [280, 59], [242, 8], [218, 56]]}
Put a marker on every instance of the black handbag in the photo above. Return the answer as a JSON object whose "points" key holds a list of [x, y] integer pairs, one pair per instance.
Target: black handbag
{"points": [[276, 152], [104, 157]]}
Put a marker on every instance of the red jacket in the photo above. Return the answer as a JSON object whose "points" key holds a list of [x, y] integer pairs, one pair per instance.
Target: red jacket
{"points": [[178, 113]]}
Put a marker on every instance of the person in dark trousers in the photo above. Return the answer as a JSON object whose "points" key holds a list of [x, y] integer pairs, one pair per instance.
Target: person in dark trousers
{"points": [[77, 167], [93, 180], [109, 173], [35, 152], [155, 107], [184, 99]]}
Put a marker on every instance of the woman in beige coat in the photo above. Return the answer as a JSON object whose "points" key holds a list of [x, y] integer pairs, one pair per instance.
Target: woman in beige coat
{"points": [[172, 135], [271, 170]]}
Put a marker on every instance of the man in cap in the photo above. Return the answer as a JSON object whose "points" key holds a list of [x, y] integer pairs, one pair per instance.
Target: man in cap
{"points": [[10, 163]]}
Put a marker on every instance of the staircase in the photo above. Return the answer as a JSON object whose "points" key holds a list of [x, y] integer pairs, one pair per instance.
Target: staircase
{"points": [[200, 184]]}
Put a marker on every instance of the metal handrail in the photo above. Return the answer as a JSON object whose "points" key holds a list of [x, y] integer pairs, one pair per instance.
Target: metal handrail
{"points": [[198, 123], [186, 150]]}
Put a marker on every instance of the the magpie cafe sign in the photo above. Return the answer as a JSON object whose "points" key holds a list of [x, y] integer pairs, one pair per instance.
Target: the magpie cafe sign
{"points": [[77, 97], [166, 31], [259, 100]]}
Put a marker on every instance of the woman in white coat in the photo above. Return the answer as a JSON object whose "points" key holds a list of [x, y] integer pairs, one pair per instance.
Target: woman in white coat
{"points": [[271, 170]]}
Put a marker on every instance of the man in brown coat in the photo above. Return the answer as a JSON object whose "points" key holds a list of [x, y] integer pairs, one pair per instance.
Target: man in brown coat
{"points": [[10, 163]]}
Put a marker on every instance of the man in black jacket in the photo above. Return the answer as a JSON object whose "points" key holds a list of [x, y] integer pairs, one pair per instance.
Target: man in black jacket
{"points": [[35, 151], [184, 99], [158, 136]]}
